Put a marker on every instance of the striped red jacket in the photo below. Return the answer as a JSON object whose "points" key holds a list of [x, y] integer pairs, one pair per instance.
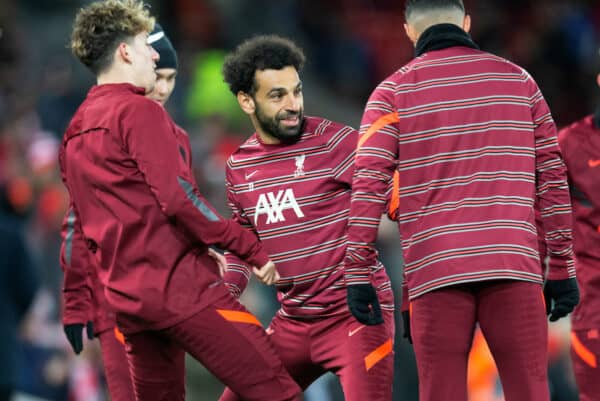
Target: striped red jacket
{"points": [[475, 144], [297, 199]]}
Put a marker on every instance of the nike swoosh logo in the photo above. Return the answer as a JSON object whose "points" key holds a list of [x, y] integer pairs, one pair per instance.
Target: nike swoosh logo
{"points": [[356, 330], [251, 174], [594, 163]]}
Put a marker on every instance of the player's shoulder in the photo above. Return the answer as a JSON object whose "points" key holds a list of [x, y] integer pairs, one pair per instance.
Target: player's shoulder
{"points": [[320, 130], [249, 148], [577, 129], [315, 125], [137, 110], [475, 59], [140, 103], [180, 130], [390, 84], [502, 64]]}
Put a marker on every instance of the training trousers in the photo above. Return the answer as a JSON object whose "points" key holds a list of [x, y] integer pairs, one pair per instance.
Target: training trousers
{"points": [[361, 356], [585, 353], [512, 318], [228, 340]]}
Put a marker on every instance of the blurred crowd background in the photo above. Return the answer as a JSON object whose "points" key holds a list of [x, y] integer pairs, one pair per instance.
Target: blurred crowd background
{"points": [[351, 45]]}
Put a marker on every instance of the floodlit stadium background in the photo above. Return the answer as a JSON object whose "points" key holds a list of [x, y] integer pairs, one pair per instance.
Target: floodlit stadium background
{"points": [[351, 45]]}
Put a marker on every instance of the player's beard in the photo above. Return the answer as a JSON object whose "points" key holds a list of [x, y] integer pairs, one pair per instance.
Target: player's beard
{"points": [[273, 127]]}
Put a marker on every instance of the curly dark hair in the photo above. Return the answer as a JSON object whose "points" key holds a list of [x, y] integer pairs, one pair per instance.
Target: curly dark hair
{"points": [[101, 26], [259, 53]]}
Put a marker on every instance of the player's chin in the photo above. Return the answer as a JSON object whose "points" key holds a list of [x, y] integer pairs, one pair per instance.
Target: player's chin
{"points": [[289, 131]]}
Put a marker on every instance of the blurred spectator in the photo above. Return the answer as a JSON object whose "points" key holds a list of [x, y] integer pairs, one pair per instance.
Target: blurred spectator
{"points": [[18, 284]]}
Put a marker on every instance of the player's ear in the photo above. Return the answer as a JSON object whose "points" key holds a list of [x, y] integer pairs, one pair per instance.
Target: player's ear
{"points": [[123, 52], [467, 23], [598, 79], [411, 33], [246, 102]]}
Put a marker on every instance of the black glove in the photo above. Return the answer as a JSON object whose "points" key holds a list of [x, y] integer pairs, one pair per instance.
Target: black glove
{"points": [[363, 304], [73, 332], [564, 293], [406, 322]]}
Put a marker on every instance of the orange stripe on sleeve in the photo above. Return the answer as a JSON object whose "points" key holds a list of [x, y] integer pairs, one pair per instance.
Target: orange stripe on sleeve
{"points": [[585, 354], [395, 197], [381, 352], [377, 125], [238, 317], [119, 336]]}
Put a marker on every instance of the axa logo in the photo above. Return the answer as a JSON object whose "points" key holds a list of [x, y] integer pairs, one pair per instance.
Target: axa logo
{"points": [[273, 204]]}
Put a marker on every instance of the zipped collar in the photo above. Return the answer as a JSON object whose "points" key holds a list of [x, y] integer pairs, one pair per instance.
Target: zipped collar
{"points": [[442, 36]]}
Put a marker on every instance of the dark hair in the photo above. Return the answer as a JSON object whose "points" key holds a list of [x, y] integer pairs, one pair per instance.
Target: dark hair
{"points": [[101, 26], [429, 5], [259, 53]]}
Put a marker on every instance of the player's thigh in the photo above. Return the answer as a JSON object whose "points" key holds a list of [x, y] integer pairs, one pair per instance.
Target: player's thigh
{"points": [[585, 354], [293, 343], [232, 344], [366, 359], [291, 340], [442, 326], [512, 318], [155, 366], [513, 321], [116, 367], [442, 323]]}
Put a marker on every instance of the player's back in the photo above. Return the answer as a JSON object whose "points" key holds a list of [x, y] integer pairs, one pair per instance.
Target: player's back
{"points": [[467, 163], [297, 198]]}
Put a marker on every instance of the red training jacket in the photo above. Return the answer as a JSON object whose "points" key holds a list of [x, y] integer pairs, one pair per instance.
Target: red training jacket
{"points": [[136, 206]]}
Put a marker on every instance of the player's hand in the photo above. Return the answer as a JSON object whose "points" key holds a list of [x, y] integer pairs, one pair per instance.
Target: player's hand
{"points": [[75, 336], [406, 324], [561, 297], [267, 274], [219, 259], [363, 304]]}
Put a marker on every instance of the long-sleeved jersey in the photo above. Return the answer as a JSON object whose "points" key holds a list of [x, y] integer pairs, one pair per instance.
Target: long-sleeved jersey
{"points": [[580, 145], [297, 199], [474, 143], [83, 293], [135, 205]]}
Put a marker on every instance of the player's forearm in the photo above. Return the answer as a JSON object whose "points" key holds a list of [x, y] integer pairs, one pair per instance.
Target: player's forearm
{"points": [[368, 203], [75, 262]]}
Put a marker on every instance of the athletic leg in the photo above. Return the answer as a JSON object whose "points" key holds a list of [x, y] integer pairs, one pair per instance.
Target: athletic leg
{"points": [[155, 363], [367, 359], [116, 368], [231, 343], [512, 318], [585, 354], [442, 327], [292, 343]]}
